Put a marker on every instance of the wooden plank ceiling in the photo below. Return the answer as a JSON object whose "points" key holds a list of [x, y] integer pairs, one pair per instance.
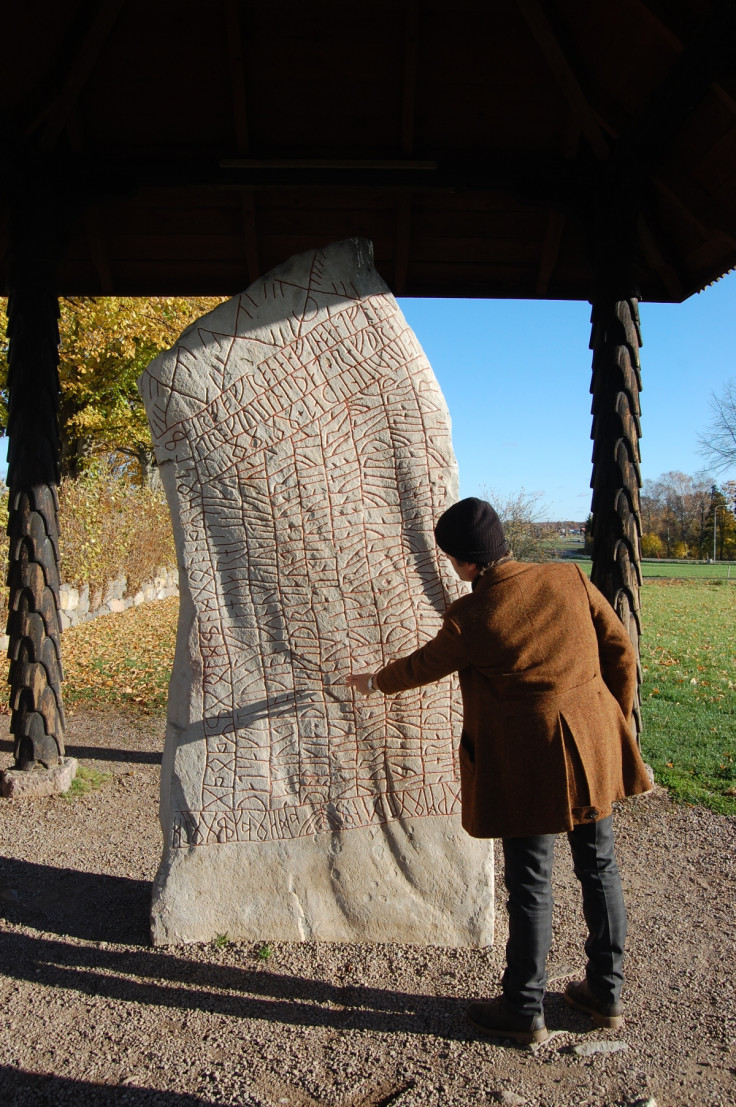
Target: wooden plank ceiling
{"points": [[488, 147]]}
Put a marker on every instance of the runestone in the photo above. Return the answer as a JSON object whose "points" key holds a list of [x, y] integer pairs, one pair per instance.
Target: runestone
{"points": [[305, 449]]}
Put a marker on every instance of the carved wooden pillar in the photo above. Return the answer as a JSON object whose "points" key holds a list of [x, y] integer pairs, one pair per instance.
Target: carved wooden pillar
{"points": [[615, 342], [34, 629]]}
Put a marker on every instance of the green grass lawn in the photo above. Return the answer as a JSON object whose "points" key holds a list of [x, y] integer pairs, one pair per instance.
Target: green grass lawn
{"points": [[688, 655], [678, 570]]}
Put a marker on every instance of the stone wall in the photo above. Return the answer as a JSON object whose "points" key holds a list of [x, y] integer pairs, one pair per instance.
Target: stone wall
{"points": [[75, 606], [75, 602]]}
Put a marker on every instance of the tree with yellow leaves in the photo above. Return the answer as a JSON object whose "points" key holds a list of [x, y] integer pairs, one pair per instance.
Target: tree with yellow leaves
{"points": [[105, 343]]}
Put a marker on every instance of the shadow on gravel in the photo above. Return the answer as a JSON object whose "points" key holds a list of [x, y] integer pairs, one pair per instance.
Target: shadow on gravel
{"points": [[167, 980], [92, 906], [102, 753], [30, 1089]]}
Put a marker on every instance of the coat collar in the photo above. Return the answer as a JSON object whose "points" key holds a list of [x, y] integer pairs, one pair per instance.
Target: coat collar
{"points": [[497, 573]]}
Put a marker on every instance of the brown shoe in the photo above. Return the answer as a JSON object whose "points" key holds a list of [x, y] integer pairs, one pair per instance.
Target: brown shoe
{"points": [[579, 995], [498, 1020]]}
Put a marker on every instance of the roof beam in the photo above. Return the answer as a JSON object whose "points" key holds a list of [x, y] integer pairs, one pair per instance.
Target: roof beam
{"points": [[252, 259], [409, 95], [563, 71], [556, 218], [98, 250], [711, 50], [402, 243], [533, 177], [237, 76], [402, 240], [79, 71], [659, 263], [661, 27], [242, 137], [92, 222], [676, 43], [715, 215], [550, 250]]}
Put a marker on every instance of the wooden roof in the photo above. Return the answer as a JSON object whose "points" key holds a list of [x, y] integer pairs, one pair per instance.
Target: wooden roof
{"points": [[487, 147]]}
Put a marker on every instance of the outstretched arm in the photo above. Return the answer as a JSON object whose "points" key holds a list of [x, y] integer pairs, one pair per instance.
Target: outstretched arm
{"points": [[444, 654]]}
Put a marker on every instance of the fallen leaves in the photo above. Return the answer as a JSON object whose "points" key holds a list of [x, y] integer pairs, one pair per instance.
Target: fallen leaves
{"points": [[125, 657]]}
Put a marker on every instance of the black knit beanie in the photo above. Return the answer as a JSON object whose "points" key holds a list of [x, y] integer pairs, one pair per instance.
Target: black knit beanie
{"points": [[471, 531]]}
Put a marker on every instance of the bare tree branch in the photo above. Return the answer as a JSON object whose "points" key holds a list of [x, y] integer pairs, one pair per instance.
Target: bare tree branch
{"points": [[718, 444]]}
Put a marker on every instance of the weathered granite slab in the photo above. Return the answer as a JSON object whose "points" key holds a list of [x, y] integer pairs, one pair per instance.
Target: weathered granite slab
{"points": [[32, 783], [305, 449]]}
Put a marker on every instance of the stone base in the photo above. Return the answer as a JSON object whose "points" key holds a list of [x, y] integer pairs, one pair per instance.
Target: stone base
{"points": [[420, 881], [15, 783]]}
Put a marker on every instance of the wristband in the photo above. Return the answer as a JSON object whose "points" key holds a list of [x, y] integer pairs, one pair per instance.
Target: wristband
{"points": [[371, 685]]}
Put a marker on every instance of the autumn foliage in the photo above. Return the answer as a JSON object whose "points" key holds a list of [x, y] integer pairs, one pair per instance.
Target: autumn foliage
{"points": [[678, 513], [109, 527], [105, 344]]}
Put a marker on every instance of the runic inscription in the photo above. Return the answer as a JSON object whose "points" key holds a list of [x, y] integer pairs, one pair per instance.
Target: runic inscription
{"points": [[311, 455]]}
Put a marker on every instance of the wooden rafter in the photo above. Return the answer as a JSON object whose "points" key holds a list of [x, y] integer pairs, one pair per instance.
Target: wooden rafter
{"points": [[655, 255], [92, 223], [408, 124], [98, 250], [677, 44], [550, 250], [556, 218], [655, 20], [403, 238], [252, 260], [237, 76], [562, 69], [242, 137], [78, 72], [409, 93], [674, 189], [705, 56]]}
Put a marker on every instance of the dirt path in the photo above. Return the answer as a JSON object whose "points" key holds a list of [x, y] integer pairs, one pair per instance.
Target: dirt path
{"points": [[93, 1015]]}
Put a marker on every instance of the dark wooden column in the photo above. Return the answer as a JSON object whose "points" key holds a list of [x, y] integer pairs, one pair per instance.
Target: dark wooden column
{"points": [[615, 342], [34, 629]]}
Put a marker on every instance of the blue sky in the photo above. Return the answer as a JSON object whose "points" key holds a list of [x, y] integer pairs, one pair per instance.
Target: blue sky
{"points": [[516, 378]]}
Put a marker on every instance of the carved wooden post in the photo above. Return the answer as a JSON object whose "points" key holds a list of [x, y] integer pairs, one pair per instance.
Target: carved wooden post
{"points": [[34, 628], [615, 341]]}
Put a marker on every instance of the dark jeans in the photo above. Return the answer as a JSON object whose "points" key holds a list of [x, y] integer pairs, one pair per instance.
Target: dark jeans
{"points": [[529, 882]]}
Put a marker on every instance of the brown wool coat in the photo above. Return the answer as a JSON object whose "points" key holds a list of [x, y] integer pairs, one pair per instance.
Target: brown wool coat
{"points": [[548, 677]]}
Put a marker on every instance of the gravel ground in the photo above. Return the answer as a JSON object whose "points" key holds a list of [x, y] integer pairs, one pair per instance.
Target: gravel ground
{"points": [[91, 1014]]}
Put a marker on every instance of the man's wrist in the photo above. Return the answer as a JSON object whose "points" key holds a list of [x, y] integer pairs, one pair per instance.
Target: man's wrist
{"points": [[371, 685]]}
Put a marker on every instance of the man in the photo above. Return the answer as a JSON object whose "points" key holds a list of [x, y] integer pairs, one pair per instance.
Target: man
{"points": [[548, 678]]}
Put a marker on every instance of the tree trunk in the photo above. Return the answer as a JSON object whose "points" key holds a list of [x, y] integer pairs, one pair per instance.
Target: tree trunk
{"points": [[73, 450], [150, 475], [616, 528]]}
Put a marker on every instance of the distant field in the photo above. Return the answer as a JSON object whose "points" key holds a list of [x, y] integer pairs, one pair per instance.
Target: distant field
{"points": [[678, 570]]}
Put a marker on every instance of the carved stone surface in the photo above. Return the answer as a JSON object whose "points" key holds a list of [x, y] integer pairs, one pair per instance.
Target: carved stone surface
{"points": [[305, 449]]}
